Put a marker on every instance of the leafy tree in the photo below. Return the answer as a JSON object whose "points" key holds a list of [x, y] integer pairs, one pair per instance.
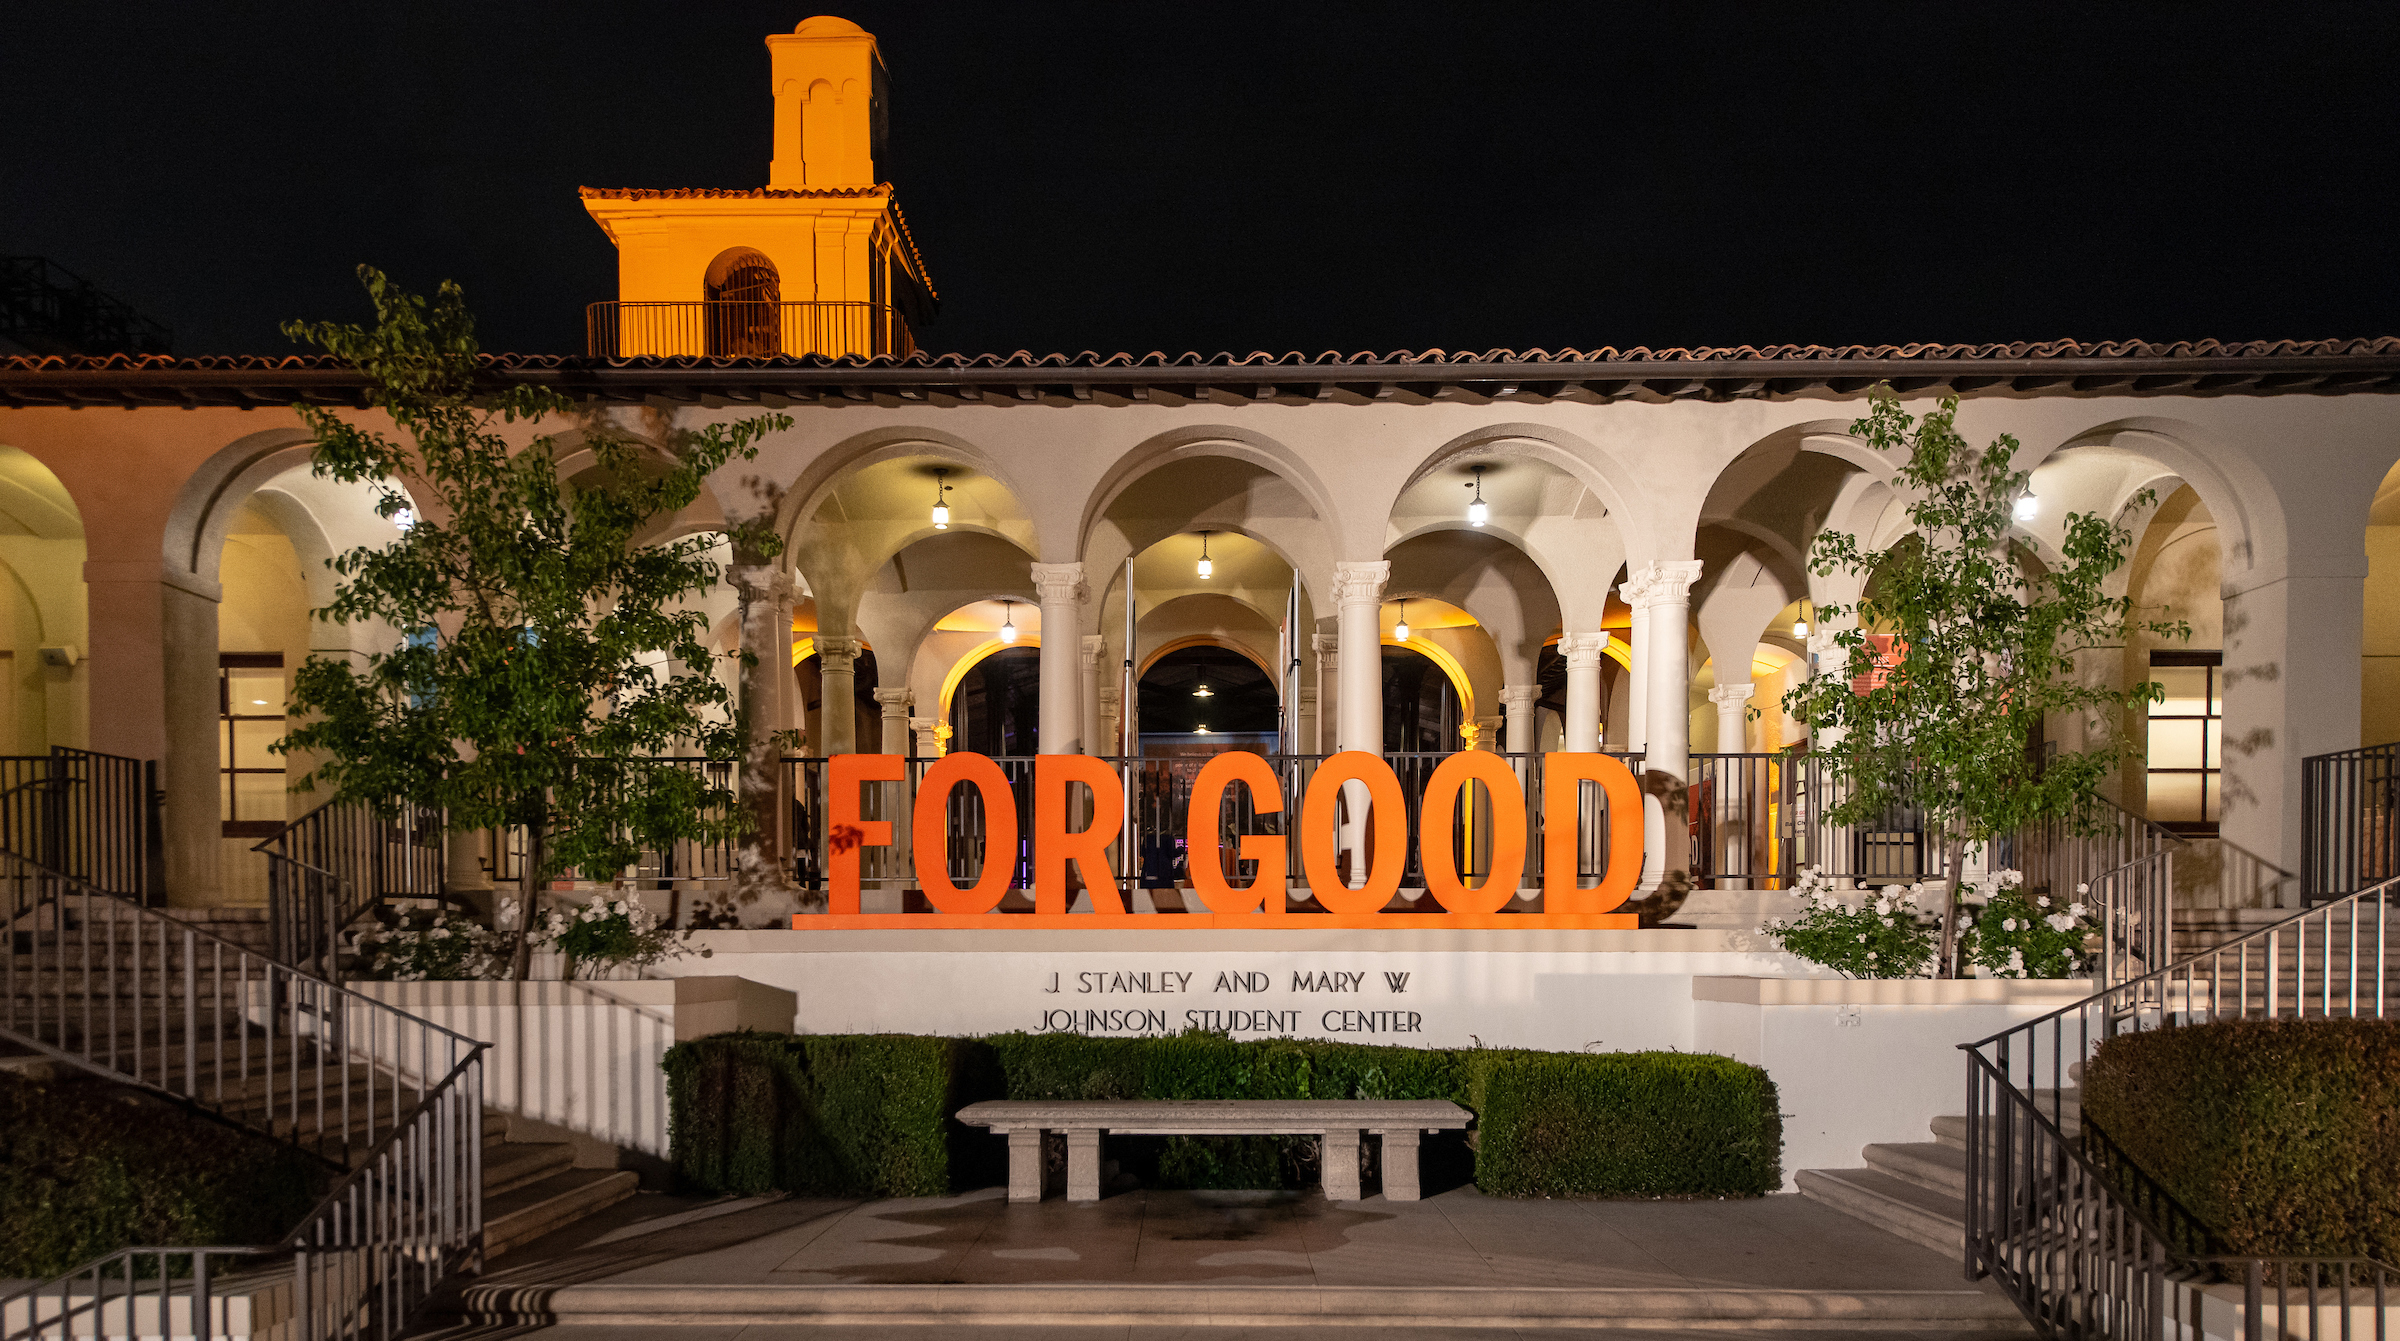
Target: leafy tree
{"points": [[530, 691], [1981, 648]]}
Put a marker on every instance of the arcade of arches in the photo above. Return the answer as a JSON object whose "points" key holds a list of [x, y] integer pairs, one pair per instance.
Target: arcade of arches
{"points": [[1635, 584]]}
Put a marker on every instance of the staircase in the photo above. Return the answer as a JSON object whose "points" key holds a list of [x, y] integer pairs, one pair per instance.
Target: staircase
{"points": [[90, 985], [1918, 1189]]}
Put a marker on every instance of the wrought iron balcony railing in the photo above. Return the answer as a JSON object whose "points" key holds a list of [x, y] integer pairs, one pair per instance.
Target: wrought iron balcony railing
{"points": [[756, 329]]}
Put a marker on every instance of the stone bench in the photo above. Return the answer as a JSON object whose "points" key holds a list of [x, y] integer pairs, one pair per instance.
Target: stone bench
{"points": [[1341, 1122]]}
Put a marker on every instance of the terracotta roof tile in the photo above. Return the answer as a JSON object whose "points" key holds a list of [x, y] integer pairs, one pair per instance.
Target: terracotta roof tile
{"points": [[2188, 367]]}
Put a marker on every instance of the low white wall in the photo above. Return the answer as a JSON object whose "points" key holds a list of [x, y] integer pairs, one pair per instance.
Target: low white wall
{"points": [[585, 1055], [1862, 1062], [1564, 990]]}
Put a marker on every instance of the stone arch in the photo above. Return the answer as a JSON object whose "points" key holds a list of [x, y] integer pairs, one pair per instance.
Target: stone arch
{"points": [[808, 491], [1205, 440]]}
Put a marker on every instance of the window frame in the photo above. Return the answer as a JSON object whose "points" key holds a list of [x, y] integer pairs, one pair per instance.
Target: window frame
{"points": [[2212, 763], [228, 774]]}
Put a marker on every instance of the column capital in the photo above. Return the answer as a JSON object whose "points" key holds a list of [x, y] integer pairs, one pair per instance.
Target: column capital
{"points": [[1732, 693], [1360, 583], [895, 699], [1108, 697], [1520, 695], [761, 582], [1093, 646], [1057, 582], [1661, 582], [837, 652], [1326, 645], [1583, 650]]}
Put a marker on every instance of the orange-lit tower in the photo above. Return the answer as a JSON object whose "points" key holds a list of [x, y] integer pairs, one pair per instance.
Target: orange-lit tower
{"points": [[818, 260]]}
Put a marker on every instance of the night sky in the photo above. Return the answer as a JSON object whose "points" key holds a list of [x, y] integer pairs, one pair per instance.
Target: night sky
{"points": [[1302, 175]]}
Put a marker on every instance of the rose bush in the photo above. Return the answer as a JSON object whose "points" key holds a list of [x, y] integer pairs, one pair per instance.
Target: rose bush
{"points": [[1886, 935], [2020, 934]]}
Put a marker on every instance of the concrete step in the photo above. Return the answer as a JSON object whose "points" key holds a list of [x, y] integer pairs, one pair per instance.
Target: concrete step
{"points": [[515, 1218], [1934, 1219], [511, 1165], [1248, 1310], [1928, 1164]]}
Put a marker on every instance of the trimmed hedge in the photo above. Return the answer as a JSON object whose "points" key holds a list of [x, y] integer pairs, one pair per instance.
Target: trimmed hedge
{"points": [[2282, 1136], [845, 1115], [1625, 1124], [874, 1115], [87, 1168]]}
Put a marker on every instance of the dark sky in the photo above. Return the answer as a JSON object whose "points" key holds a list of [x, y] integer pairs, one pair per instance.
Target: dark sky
{"points": [[1302, 175]]}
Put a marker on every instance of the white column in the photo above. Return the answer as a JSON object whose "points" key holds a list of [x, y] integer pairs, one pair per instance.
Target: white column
{"points": [[1112, 740], [1095, 741], [1667, 593], [1733, 712], [1305, 739], [837, 705], [194, 825], [896, 808], [1329, 690], [1635, 592], [1516, 707], [927, 731], [1358, 593], [765, 595], [1583, 652], [895, 703], [1060, 588]]}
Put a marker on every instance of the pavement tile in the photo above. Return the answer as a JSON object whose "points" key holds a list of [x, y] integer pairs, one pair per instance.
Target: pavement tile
{"points": [[914, 1240], [1778, 1242]]}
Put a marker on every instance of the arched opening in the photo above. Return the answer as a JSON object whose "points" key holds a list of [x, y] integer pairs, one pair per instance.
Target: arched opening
{"points": [[996, 707], [43, 610], [1203, 700], [1422, 709], [745, 297]]}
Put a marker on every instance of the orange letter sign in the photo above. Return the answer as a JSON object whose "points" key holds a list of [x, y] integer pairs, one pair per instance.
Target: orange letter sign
{"points": [[1203, 846], [1508, 832], [1389, 822], [1561, 828], [1053, 846], [845, 831], [933, 833]]}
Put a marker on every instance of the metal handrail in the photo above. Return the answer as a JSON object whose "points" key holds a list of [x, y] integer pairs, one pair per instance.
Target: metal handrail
{"points": [[2059, 1233], [134, 995]]}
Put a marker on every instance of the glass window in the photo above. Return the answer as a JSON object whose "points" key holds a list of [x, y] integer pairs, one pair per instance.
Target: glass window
{"points": [[250, 709], [2186, 740]]}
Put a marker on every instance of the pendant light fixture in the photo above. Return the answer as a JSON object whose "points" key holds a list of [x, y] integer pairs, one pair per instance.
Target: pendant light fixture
{"points": [[941, 507], [1400, 629], [2028, 507], [1008, 621], [1478, 512], [1207, 568], [1203, 691]]}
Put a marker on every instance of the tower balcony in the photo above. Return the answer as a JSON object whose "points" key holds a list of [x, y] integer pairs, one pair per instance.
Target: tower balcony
{"points": [[745, 329]]}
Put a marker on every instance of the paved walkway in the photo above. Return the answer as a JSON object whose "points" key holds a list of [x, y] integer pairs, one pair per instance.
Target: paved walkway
{"points": [[658, 1260]]}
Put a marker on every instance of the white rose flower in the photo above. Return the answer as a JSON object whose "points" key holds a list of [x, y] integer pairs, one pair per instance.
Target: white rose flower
{"points": [[2008, 924], [2083, 889], [2059, 921], [2041, 900], [2078, 911]]}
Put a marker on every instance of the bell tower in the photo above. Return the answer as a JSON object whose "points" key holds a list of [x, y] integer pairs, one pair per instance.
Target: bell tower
{"points": [[830, 91], [817, 261]]}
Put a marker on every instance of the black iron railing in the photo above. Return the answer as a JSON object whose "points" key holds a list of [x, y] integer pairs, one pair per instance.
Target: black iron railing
{"points": [[91, 816], [390, 1102], [2086, 1251], [2347, 803], [657, 330], [329, 867]]}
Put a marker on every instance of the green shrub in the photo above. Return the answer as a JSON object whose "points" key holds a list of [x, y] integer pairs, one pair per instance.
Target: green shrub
{"points": [[1624, 1124], [2281, 1136], [87, 1168], [846, 1115], [875, 1115]]}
